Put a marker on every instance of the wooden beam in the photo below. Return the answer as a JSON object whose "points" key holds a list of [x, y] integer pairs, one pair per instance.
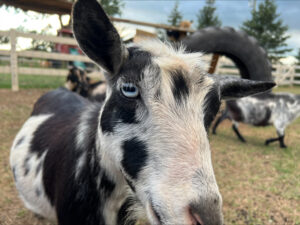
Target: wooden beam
{"points": [[155, 25], [50, 38], [54, 56], [44, 6]]}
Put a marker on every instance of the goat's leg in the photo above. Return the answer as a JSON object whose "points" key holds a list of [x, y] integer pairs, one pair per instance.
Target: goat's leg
{"points": [[219, 120], [237, 132], [281, 141], [270, 140], [280, 138]]}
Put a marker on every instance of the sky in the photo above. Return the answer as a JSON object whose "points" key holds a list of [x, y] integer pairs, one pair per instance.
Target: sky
{"points": [[231, 13]]}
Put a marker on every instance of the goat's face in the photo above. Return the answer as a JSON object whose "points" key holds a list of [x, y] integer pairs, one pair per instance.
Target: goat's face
{"points": [[153, 122], [154, 117]]}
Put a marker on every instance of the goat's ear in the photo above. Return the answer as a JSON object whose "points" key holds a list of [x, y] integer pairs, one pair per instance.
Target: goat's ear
{"points": [[233, 87], [96, 35]]}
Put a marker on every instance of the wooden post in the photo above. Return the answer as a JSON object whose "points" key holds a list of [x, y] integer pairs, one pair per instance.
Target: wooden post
{"points": [[14, 61], [292, 71], [213, 63]]}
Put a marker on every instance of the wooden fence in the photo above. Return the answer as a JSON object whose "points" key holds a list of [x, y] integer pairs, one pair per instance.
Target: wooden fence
{"points": [[14, 55], [283, 75]]}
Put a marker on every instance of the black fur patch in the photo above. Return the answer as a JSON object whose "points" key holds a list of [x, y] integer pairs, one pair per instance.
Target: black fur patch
{"points": [[26, 166], [38, 192], [107, 185], [212, 104], [20, 141], [124, 213], [134, 156], [38, 168], [130, 184], [266, 119], [116, 110], [180, 87], [119, 109], [235, 110]]}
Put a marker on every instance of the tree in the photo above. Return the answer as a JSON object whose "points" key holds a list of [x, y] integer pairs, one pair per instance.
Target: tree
{"points": [[175, 16], [206, 16], [111, 7], [266, 26]]}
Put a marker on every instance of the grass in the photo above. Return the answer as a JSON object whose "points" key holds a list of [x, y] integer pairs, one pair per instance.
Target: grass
{"points": [[33, 81], [259, 184]]}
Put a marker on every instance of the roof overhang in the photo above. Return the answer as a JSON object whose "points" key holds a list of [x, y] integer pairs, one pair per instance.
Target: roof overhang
{"points": [[43, 6]]}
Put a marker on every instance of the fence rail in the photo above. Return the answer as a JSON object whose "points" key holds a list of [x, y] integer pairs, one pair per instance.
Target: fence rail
{"points": [[283, 75]]}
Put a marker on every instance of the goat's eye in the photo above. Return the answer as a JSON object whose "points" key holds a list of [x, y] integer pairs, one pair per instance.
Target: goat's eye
{"points": [[129, 90]]}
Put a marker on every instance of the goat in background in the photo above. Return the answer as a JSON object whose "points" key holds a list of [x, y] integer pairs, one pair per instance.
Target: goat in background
{"points": [[277, 109]]}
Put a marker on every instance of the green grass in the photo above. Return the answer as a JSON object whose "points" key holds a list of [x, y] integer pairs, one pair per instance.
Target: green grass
{"points": [[33, 81], [291, 89]]}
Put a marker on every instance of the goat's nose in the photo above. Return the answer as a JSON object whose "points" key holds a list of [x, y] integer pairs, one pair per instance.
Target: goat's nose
{"points": [[206, 212]]}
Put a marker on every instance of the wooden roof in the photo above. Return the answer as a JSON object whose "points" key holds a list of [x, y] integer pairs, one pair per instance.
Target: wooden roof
{"points": [[42, 6]]}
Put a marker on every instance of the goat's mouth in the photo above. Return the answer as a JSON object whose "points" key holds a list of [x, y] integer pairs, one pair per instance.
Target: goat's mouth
{"points": [[155, 216], [195, 219]]}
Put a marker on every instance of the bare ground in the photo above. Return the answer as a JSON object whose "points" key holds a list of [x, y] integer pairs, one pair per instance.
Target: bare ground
{"points": [[259, 185]]}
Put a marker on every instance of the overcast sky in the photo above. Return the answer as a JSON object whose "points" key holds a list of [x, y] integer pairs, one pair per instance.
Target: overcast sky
{"points": [[231, 13]]}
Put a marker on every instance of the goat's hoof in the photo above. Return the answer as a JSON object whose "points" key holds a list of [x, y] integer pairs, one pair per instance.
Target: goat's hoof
{"points": [[267, 143], [214, 132], [283, 146]]}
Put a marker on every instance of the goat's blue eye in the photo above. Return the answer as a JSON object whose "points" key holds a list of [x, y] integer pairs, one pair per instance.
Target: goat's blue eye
{"points": [[129, 90]]}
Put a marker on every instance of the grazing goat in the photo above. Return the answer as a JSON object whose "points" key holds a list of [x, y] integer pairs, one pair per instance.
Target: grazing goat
{"points": [[142, 153], [279, 109], [78, 81]]}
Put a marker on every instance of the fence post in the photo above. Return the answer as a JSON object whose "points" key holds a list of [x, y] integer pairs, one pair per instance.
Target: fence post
{"points": [[293, 72], [14, 61]]}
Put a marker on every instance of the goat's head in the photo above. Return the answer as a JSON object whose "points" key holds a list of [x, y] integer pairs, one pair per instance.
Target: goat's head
{"points": [[153, 122], [77, 81]]}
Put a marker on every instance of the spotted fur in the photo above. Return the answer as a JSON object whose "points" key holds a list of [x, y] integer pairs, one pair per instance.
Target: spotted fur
{"points": [[128, 158], [277, 109], [79, 82]]}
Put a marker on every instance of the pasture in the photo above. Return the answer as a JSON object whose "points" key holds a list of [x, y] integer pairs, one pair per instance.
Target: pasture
{"points": [[259, 184]]}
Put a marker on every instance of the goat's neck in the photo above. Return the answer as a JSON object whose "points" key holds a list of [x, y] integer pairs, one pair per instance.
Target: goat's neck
{"points": [[120, 192], [106, 174]]}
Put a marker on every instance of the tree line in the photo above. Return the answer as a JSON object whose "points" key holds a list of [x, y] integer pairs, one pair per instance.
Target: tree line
{"points": [[265, 25]]}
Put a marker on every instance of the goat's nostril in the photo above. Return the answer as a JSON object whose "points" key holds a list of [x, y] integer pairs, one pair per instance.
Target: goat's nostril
{"points": [[195, 218]]}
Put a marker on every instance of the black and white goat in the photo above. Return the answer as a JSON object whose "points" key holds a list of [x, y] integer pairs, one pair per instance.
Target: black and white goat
{"points": [[143, 153], [279, 109], [79, 82]]}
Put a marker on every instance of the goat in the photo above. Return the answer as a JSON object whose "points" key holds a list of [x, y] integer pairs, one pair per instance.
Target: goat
{"points": [[142, 153], [79, 82], [175, 35], [279, 109]]}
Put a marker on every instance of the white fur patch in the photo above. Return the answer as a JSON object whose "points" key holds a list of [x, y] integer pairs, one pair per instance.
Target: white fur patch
{"points": [[30, 186]]}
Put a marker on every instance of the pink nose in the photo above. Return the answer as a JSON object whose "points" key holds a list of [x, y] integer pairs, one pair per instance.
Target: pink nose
{"points": [[206, 212], [195, 218]]}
